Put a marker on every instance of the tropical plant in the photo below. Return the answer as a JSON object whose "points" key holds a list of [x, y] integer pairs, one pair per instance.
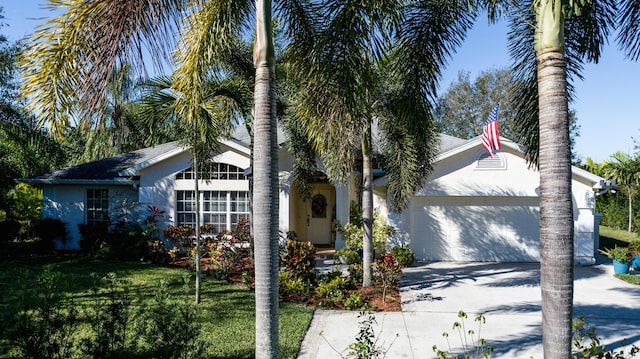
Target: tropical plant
{"points": [[564, 34], [403, 255], [625, 170], [375, 65], [620, 254]]}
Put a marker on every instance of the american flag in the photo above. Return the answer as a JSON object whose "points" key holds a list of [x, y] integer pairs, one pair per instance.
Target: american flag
{"points": [[490, 133]]}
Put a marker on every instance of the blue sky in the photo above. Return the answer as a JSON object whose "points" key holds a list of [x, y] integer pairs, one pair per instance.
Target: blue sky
{"points": [[607, 104]]}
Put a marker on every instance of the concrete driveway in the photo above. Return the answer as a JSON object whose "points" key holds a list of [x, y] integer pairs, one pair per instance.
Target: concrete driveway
{"points": [[507, 294]]}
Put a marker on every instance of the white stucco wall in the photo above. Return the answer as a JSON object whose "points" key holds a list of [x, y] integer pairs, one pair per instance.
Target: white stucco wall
{"points": [[67, 203]]}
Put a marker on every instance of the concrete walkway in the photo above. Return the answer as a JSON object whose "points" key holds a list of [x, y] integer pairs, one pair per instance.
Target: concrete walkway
{"points": [[507, 294]]}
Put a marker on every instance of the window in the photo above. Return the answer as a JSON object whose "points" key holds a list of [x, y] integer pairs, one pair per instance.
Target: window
{"points": [[217, 171], [221, 209], [97, 206]]}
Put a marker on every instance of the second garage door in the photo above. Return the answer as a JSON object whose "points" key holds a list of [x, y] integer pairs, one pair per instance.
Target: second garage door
{"points": [[502, 229]]}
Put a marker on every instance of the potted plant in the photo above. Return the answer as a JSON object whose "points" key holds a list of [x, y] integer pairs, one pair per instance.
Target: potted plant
{"points": [[634, 246], [621, 258]]}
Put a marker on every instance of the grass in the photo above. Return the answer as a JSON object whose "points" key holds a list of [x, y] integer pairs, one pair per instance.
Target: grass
{"points": [[610, 237], [226, 312]]}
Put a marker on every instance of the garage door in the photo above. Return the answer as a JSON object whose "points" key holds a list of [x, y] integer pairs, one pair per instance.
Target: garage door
{"points": [[475, 228]]}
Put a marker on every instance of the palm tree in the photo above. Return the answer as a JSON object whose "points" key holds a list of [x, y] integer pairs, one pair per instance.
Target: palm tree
{"points": [[545, 72], [76, 53], [376, 63], [625, 170]]}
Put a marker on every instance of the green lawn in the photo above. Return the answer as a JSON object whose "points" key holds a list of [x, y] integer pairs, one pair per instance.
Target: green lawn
{"points": [[610, 237], [225, 315]]}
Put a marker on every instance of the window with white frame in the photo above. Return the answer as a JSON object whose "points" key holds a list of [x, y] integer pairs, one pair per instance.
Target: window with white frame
{"points": [[97, 205], [221, 209], [216, 171]]}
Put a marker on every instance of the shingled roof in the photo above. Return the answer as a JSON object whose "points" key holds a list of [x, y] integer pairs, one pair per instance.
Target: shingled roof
{"points": [[121, 169], [106, 170]]}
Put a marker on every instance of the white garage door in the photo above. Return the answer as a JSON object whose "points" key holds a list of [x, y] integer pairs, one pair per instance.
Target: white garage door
{"points": [[475, 228]]}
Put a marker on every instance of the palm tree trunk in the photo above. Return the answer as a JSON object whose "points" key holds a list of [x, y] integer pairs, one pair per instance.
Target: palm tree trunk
{"points": [[556, 211], [630, 208], [367, 207], [265, 196], [196, 179]]}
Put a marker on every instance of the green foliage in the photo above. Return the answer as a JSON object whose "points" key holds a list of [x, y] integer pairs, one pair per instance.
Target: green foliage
{"points": [[634, 247], [26, 203], [352, 232], [172, 327], [403, 255], [92, 236], [50, 229], [621, 254], [80, 293], [350, 255], [290, 284], [587, 344], [366, 344], [333, 291], [354, 301], [356, 271], [40, 318], [109, 316], [472, 346], [300, 259]]}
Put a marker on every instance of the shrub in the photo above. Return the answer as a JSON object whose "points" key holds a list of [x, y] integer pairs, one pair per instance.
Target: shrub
{"points": [[350, 255], [300, 259], [332, 292], [291, 285], [42, 319], [172, 329], [386, 273], [594, 348], [356, 272], [9, 230], [403, 255], [180, 236], [92, 236], [354, 301], [51, 229], [352, 232]]}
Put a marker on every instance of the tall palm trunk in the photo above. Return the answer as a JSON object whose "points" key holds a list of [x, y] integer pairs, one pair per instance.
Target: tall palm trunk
{"points": [[630, 194], [265, 196], [367, 206], [556, 211], [196, 180]]}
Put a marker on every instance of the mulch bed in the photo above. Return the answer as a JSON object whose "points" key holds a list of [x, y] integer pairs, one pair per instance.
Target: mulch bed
{"points": [[373, 295]]}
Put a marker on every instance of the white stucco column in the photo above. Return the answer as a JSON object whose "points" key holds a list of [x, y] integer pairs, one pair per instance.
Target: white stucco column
{"points": [[285, 204], [342, 211]]}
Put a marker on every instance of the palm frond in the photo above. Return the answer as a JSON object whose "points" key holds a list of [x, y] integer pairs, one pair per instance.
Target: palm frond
{"points": [[75, 54], [629, 28]]}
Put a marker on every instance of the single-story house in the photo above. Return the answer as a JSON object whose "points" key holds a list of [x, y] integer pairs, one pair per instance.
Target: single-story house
{"points": [[471, 208]]}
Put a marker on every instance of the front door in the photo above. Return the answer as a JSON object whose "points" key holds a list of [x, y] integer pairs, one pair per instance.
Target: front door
{"points": [[319, 216]]}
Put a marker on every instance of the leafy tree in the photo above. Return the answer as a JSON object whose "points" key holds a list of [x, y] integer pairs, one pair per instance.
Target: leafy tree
{"points": [[462, 110], [375, 64], [625, 170], [75, 54], [24, 150]]}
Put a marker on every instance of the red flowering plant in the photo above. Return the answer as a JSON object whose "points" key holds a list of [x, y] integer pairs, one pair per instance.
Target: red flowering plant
{"points": [[387, 271]]}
